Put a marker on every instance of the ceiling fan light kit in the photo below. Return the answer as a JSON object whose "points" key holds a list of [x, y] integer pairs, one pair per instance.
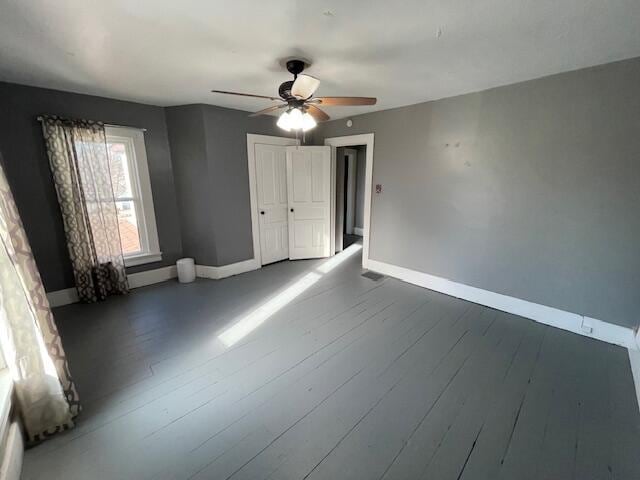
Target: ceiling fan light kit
{"points": [[294, 119], [302, 111]]}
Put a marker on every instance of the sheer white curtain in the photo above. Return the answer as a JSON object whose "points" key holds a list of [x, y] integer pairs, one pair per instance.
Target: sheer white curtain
{"points": [[46, 395]]}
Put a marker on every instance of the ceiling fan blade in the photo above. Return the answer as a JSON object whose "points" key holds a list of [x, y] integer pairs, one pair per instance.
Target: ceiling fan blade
{"points": [[304, 86], [315, 112], [268, 110], [245, 94], [344, 101]]}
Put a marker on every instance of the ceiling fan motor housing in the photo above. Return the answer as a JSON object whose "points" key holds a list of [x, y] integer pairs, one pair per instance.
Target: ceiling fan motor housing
{"points": [[285, 89], [295, 66]]}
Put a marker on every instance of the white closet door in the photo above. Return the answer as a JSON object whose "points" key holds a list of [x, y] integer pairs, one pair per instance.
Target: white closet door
{"points": [[271, 180], [309, 193]]}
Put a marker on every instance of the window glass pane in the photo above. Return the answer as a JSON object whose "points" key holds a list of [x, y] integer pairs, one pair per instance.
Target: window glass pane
{"points": [[120, 174], [128, 225]]}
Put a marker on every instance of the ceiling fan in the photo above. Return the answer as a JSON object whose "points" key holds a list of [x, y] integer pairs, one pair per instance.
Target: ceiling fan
{"points": [[296, 96]]}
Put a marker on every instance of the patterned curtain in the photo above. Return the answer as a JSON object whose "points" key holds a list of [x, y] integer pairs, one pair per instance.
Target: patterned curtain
{"points": [[45, 393], [78, 157]]}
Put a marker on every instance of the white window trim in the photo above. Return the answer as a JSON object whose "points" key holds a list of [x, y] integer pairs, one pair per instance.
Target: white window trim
{"points": [[142, 258], [147, 220]]}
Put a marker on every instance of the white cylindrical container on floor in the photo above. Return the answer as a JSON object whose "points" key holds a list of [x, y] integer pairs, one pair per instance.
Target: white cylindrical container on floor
{"points": [[186, 270]]}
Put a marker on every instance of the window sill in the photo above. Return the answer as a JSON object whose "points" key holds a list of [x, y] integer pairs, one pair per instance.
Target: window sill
{"points": [[141, 259]]}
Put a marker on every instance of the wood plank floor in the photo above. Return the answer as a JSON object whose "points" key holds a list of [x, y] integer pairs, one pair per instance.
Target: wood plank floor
{"points": [[308, 370]]}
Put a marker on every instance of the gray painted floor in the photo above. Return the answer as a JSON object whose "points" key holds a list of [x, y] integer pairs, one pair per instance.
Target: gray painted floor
{"points": [[340, 377]]}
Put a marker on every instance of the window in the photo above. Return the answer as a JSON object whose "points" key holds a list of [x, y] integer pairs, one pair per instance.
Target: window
{"points": [[132, 191]]}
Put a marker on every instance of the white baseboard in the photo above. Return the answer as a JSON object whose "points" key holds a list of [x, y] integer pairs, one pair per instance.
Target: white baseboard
{"points": [[67, 296], [62, 297], [573, 322], [634, 360], [358, 231], [216, 273], [149, 277]]}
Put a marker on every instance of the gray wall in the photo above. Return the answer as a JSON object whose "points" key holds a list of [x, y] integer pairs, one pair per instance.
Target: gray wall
{"points": [[361, 165], [191, 176], [28, 171], [530, 190], [209, 152]]}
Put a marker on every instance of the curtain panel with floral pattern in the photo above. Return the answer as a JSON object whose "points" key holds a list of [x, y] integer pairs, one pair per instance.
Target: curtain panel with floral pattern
{"points": [[46, 395], [78, 157]]}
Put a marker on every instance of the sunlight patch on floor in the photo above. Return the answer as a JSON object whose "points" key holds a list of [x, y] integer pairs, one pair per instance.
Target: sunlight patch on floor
{"points": [[336, 260], [249, 322]]}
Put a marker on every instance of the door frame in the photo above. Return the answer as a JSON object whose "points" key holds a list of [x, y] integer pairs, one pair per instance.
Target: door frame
{"points": [[340, 206], [350, 217], [252, 140], [352, 141]]}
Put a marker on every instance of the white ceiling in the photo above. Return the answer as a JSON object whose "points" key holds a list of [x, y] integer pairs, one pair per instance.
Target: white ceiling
{"points": [[171, 52]]}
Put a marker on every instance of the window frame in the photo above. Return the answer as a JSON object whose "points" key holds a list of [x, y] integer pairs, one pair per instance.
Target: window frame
{"points": [[133, 139]]}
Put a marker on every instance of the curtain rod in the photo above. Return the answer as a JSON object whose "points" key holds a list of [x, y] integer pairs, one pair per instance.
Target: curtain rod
{"points": [[124, 126], [41, 118]]}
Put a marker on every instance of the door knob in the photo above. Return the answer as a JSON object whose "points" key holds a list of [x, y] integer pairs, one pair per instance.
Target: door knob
{"points": [[292, 209], [261, 212]]}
